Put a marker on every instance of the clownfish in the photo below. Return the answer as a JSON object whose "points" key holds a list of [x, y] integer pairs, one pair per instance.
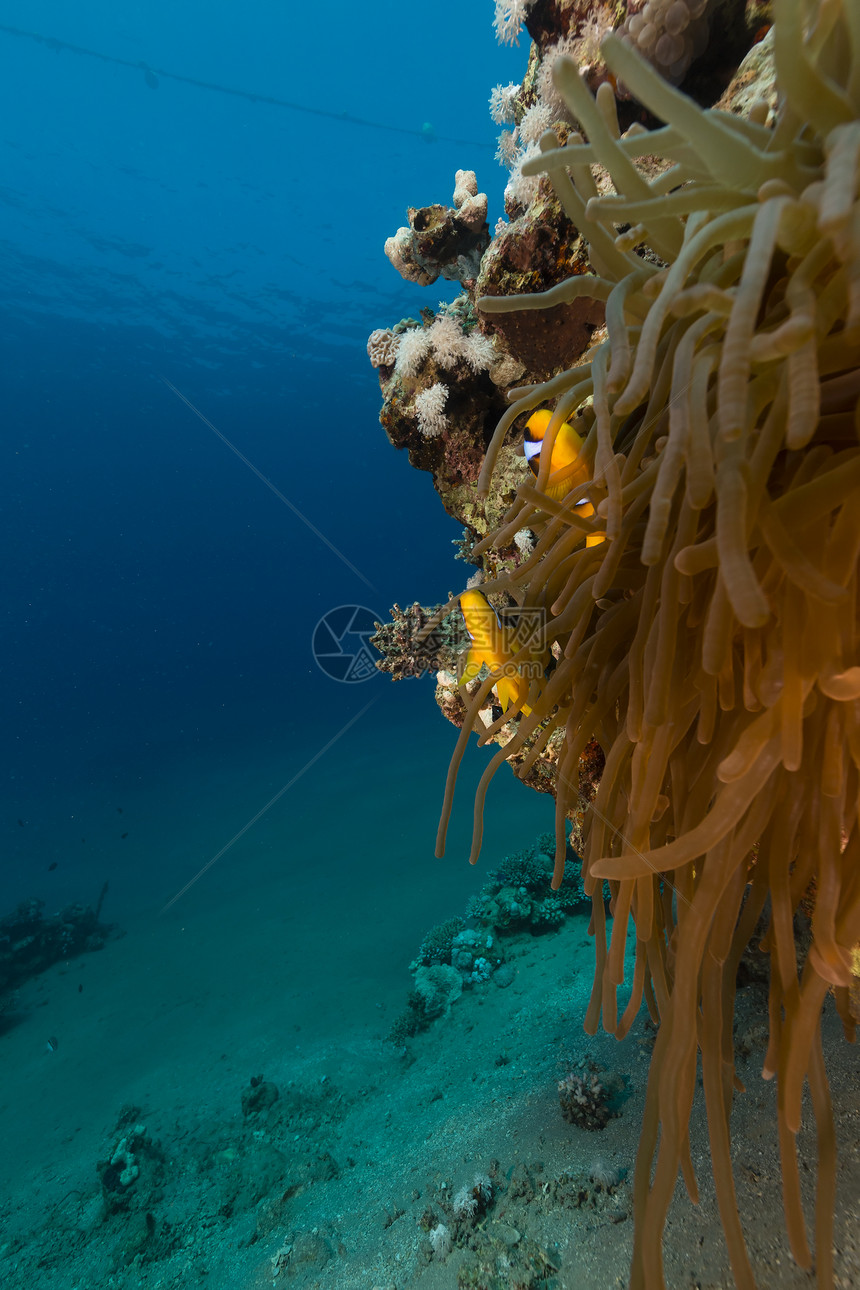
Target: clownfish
{"points": [[567, 469], [493, 645]]}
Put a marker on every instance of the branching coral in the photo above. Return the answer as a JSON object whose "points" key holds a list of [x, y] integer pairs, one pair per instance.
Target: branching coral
{"points": [[404, 654], [711, 643]]}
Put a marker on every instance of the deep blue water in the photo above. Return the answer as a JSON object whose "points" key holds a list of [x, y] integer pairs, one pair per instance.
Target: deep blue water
{"points": [[159, 600]]}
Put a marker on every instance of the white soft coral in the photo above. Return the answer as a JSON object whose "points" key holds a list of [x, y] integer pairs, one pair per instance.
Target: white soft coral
{"points": [[430, 410], [522, 189], [503, 101], [508, 22], [535, 120], [448, 341], [413, 348]]}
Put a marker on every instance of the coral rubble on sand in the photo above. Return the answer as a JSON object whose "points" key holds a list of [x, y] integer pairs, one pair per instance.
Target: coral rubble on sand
{"points": [[30, 941]]}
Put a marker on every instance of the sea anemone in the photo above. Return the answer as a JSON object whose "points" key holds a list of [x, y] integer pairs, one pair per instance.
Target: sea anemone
{"points": [[710, 643]]}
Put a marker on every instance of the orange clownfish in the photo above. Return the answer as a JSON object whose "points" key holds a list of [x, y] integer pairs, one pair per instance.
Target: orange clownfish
{"points": [[567, 469], [493, 645]]}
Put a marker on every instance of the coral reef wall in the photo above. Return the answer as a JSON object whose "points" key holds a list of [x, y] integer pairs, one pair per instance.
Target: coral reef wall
{"points": [[670, 319]]}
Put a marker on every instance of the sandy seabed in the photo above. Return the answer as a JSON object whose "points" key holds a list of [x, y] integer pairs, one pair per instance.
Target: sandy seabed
{"points": [[290, 975]]}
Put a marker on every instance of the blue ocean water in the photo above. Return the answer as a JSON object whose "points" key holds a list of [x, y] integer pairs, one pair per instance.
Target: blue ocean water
{"points": [[160, 600], [196, 196]]}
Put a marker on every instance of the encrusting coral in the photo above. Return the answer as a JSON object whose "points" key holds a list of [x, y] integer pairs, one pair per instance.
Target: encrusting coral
{"points": [[446, 240], [584, 1100], [669, 33], [710, 643]]}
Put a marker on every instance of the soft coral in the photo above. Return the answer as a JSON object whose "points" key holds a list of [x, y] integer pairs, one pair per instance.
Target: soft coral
{"points": [[509, 19]]}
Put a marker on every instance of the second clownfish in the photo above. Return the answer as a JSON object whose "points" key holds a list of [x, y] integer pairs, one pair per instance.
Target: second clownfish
{"points": [[493, 645]]}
